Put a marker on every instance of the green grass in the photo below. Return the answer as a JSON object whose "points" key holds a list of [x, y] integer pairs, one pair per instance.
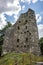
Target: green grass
{"points": [[19, 59]]}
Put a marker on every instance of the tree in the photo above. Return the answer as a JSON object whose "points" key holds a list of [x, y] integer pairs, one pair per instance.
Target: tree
{"points": [[2, 33], [1, 43], [7, 26], [41, 45]]}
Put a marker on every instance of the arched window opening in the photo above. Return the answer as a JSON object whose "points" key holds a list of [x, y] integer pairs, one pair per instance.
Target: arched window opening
{"points": [[18, 27], [19, 21], [24, 46], [17, 40], [26, 39], [17, 45]]}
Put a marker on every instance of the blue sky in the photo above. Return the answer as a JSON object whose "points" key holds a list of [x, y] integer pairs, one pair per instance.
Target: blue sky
{"points": [[11, 9]]}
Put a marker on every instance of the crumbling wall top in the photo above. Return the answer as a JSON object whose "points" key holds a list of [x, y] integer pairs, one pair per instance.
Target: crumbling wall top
{"points": [[28, 12]]}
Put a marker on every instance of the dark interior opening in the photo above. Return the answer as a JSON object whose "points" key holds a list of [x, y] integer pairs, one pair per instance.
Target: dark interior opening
{"points": [[18, 27], [26, 21], [17, 40], [29, 33], [17, 45], [19, 21], [25, 46], [26, 39], [26, 27]]}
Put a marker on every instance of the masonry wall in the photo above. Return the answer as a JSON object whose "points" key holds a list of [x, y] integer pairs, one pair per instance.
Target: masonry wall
{"points": [[23, 35]]}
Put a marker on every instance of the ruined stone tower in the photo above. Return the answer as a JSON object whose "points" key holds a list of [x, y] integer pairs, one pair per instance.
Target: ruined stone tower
{"points": [[23, 35]]}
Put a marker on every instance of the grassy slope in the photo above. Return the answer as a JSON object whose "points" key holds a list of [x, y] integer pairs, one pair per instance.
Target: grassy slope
{"points": [[19, 58]]}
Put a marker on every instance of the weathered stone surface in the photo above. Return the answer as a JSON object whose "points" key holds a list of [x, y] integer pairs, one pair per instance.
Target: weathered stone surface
{"points": [[23, 35]]}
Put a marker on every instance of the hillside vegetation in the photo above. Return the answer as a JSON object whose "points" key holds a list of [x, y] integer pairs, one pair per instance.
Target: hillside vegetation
{"points": [[20, 59]]}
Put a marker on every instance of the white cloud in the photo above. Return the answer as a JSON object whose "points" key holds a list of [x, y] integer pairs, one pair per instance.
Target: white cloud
{"points": [[22, 0], [9, 7], [37, 15], [16, 7], [23, 7], [14, 4], [28, 1], [16, 17], [34, 1], [2, 21], [38, 18], [40, 26], [40, 30], [10, 13]]}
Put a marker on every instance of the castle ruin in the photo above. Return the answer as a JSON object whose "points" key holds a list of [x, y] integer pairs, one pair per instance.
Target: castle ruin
{"points": [[23, 35]]}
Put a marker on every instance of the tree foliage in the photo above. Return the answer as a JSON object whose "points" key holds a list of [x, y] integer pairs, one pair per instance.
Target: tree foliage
{"points": [[41, 45], [7, 26]]}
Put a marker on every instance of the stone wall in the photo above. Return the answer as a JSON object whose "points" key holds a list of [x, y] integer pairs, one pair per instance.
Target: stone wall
{"points": [[23, 35]]}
